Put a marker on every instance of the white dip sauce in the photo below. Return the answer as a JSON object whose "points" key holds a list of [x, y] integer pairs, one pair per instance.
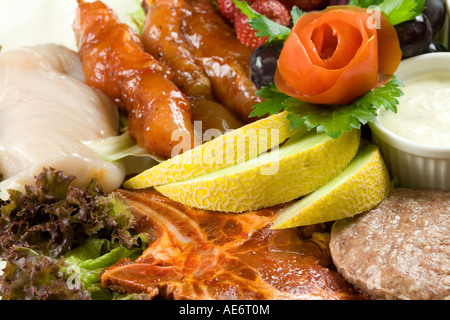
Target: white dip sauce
{"points": [[423, 113]]}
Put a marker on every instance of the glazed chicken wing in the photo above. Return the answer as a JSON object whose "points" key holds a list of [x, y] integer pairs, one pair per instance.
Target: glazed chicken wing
{"points": [[163, 38], [115, 63], [46, 113], [202, 50]]}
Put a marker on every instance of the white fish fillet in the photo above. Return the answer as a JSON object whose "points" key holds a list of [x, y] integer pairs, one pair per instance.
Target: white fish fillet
{"points": [[46, 111]]}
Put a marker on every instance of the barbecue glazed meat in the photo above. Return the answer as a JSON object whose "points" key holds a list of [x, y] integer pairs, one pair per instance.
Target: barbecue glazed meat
{"points": [[203, 255], [115, 63], [203, 51], [163, 38]]}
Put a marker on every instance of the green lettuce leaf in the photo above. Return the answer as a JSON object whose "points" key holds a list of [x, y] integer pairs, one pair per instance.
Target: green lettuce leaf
{"points": [[138, 18], [119, 147], [397, 11], [57, 238], [84, 264], [29, 275], [124, 149]]}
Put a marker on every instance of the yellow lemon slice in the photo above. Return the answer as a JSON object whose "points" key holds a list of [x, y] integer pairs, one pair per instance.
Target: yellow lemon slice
{"points": [[298, 167], [224, 151], [358, 188]]}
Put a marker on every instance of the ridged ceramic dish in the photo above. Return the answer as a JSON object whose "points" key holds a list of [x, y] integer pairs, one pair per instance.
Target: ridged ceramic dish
{"points": [[416, 165]]}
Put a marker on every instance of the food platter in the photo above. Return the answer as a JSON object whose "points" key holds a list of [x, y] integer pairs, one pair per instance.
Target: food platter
{"points": [[48, 21], [219, 229]]}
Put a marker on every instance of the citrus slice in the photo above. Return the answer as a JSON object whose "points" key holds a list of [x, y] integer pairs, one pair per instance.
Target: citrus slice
{"points": [[298, 167], [358, 188], [226, 150]]}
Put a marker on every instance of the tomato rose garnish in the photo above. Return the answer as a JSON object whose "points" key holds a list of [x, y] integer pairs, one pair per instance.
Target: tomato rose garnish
{"points": [[336, 55]]}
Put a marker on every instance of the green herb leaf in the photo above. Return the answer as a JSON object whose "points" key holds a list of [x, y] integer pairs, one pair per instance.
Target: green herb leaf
{"points": [[397, 11], [84, 264], [274, 102], [296, 13], [138, 18], [332, 119], [385, 96], [365, 3], [119, 147]]}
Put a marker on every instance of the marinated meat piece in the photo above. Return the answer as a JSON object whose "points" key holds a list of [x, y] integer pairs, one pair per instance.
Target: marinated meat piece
{"points": [[199, 254], [115, 63], [163, 39], [400, 249], [202, 50], [224, 59]]}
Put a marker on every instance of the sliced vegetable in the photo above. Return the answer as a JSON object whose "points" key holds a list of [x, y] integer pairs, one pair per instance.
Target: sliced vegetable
{"points": [[335, 55], [301, 165], [362, 185], [236, 146]]}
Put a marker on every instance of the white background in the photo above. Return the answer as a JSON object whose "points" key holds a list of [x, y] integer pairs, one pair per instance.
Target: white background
{"points": [[29, 22]]}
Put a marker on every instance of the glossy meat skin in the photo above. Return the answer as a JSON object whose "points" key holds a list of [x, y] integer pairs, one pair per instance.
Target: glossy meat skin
{"points": [[207, 59], [200, 255], [163, 39], [115, 63]]}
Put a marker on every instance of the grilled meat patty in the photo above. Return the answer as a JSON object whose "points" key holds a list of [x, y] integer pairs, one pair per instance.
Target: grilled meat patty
{"points": [[398, 250]]}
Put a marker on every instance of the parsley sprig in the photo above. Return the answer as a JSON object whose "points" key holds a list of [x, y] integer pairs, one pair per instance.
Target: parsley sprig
{"points": [[331, 119], [397, 11]]}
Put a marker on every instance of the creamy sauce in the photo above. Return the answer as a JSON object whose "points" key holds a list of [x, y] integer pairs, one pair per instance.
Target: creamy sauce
{"points": [[423, 113]]}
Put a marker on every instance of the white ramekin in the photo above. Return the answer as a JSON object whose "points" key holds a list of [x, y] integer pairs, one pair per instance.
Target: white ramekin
{"points": [[415, 165]]}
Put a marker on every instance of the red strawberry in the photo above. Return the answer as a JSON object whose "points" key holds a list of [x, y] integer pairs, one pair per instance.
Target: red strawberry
{"points": [[305, 5], [272, 9], [227, 9]]}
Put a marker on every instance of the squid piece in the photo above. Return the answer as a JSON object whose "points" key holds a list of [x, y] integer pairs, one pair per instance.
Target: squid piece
{"points": [[114, 62], [202, 50], [46, 112]]}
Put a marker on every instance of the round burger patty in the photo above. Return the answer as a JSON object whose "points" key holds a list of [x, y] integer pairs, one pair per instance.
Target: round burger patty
{"points": [[399, 249]]}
